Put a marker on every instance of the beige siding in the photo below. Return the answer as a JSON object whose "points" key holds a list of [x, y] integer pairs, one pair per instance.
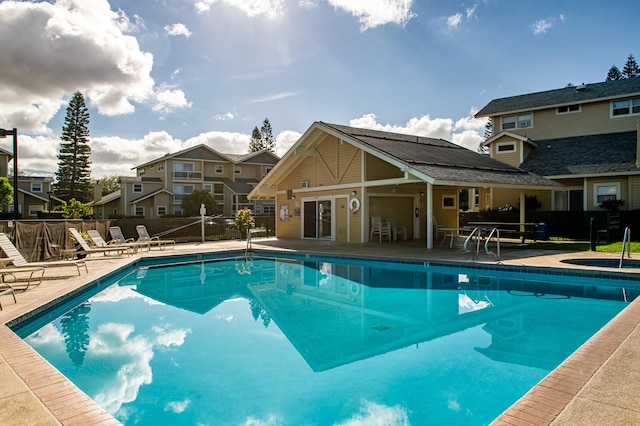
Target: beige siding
{"points": [[634, 193], [377, 169], [288, 228], [594, 118]]}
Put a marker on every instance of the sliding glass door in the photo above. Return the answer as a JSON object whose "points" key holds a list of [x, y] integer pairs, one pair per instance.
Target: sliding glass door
{"points": [[316, 219]]}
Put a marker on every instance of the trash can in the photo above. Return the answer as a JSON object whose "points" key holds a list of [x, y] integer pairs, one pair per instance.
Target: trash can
{"points": [[542, 231]]}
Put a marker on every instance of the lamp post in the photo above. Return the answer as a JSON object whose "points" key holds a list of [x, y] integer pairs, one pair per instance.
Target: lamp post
{"points": [[3, 134]]}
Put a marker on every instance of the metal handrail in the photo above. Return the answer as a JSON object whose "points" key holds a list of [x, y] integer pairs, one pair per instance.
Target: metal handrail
{"points": [[486, 244], [246, 250], [626, 239], [469, 238]]}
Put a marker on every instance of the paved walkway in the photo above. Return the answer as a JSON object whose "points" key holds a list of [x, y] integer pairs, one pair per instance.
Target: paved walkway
{"points": [[598, 385]]}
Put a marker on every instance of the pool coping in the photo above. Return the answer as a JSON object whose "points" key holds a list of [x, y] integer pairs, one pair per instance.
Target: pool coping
{"points": [[44, 393]]}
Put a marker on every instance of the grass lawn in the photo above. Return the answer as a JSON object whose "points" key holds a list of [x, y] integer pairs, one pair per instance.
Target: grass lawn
{"points": [[582, 246]]}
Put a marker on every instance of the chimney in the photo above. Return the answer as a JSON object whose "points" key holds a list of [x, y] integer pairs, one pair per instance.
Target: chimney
{"points": [[97, 191]]}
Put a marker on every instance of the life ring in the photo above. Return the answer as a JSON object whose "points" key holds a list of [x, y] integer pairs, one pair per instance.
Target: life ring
{"points": [[354, 289], [354, 204]]}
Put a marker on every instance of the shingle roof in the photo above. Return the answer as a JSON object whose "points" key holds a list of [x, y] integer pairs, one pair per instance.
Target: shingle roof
{"points": [[442, 160], [565, 96], [584, 155]]}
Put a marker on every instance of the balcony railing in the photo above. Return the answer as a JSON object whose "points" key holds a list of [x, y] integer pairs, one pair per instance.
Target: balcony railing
{"points": [[195, 175]]}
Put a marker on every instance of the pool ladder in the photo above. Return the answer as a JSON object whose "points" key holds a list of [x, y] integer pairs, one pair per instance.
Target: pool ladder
{"points": [[476, 232], [626, 241]]}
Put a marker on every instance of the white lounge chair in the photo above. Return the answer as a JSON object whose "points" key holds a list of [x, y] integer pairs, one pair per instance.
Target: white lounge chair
{"points": [[20, 262], [144, 237], [100, 242], [88, 250], [118, 237]]}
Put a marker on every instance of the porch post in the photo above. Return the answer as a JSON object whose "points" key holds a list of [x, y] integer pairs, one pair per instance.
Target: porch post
{"points": [[429, 212], [522, 210]]}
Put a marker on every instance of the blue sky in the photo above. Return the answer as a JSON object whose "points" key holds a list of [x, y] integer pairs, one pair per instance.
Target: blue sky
{"points": [[163, 75]]}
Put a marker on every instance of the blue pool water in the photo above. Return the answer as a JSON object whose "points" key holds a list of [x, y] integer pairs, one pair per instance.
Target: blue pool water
{"points": [[313, 341]]}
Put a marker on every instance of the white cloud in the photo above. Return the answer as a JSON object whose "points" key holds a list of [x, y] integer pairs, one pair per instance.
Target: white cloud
{"points": [[541, 26], [453, 21], [177, 406], [285, 140], [467, 132], [224, 117], [373, 13], [270, 9], [372, 414], [168, 100], [270, 98], [177, 29], [49, 52]]}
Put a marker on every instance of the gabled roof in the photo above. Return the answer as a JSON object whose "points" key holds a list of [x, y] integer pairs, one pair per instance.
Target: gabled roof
{"points": [[194, 152], [428, 159], [149, 195], [510, 135], [107, 198], [592, 92], [584, 155], [259, 157], [239, 186]]}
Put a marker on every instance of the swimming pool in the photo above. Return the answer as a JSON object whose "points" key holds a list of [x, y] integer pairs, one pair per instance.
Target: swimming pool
{"points": [[306, 340]]}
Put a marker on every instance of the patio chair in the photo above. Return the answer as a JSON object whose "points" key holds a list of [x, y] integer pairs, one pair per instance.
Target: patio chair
{"points": [[144, 237], [34, 279], [100, 242], [88, 250], [397, 230], [379, 228], [118, 238], [20, 262]]}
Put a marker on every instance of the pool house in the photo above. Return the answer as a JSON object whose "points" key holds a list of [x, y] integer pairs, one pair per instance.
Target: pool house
{"points": [[335, 178]]}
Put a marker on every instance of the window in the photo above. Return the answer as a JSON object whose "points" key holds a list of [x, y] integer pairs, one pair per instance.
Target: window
{"points": [[138, 211], [177, 210], [185, 171], [625, 107], [517, 121], [36, 187], [33, 210], [218, 193], [238, 170], [504, 147], [141, 172], [161, 210], [266, 170], [605, 191], [179, 191], [137, 187], [565, 109], [219, 169], [160, 167], [449, 201], [208, 187]]}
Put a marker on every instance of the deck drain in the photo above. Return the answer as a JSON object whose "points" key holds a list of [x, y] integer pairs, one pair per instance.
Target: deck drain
{"points": [[380, 327]]}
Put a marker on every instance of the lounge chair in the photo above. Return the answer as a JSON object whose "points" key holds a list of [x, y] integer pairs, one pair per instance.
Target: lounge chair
{"points": [[100, 242], [36, 274], [144, 237], [20, 262], [379, 228], [118, 237], [88, 250]]}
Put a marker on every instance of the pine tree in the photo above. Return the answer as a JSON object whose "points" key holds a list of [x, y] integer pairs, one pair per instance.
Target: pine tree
{"points": [[268, 141], [74, 173], [255, 144], [614, 74], [631, 68], [262, 138]]}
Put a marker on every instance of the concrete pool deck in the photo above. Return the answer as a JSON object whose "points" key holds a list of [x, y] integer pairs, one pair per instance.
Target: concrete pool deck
{"points": [[599, 384]]}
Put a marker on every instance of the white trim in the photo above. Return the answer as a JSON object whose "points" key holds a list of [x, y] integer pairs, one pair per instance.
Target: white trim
{"points": [[605, 184], [499, 144]]}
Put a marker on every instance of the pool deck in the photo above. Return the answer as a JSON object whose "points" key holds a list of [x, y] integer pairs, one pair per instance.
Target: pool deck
{"points": [[599, 384]]}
